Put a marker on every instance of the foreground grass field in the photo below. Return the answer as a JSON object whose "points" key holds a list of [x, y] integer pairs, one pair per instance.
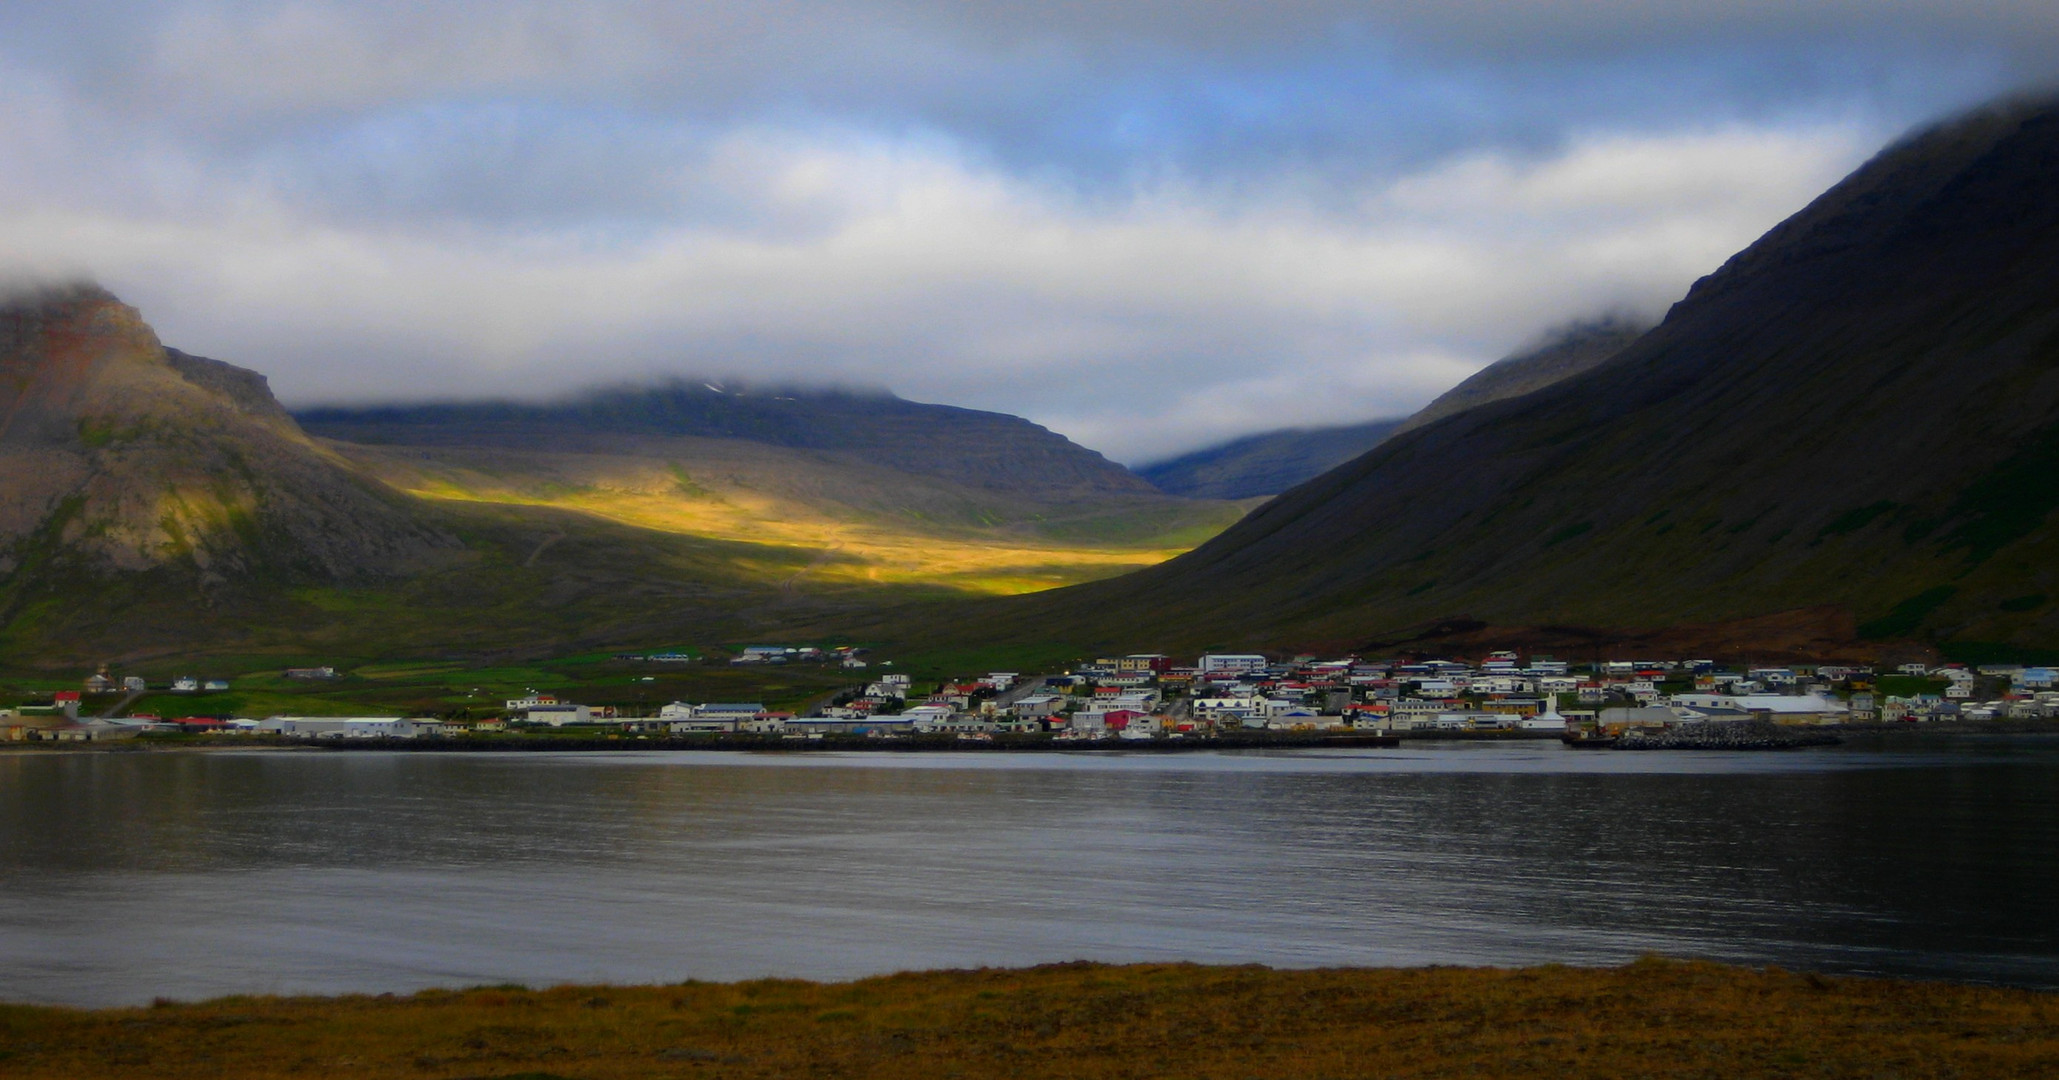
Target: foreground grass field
{"points": [[1651, 1019]]}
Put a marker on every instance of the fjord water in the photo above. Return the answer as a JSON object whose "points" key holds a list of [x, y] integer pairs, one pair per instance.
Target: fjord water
{"points": [[127, 876]]}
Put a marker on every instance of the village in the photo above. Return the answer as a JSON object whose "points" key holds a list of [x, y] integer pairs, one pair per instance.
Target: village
{"points": [[1154, 698]]}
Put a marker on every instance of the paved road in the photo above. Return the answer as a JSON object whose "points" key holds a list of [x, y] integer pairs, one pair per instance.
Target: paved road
{"points": [[1020, 690]]}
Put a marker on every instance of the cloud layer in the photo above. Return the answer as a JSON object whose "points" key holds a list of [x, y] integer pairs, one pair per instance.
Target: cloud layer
{"points": [[1149, 226]]}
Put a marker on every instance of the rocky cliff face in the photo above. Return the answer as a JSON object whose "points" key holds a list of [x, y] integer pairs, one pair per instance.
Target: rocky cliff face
{"points": [[117, 454]]}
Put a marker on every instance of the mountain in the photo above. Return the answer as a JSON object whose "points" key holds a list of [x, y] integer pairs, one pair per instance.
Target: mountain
{"points": [[1267, 463], [875, 488], [156, 503], [989, 450], [1564, 352], [1846, 435], [1271, 462], [122, 455]]}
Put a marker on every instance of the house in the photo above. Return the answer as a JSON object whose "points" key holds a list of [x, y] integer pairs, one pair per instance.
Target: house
{"points": [[1037, 706], [701, 725], [815, 727], [534, 700], [1111, 719], [731, 710], [95, 730], [558, 714], [185, 684], [310, 673], [1618, 720], [215, 685], [925, 717], [1548, 720], [19, 725], [1232, 663], [1779, 708], [99, 683], [1225, 708], [135, 684], [350, 727]]}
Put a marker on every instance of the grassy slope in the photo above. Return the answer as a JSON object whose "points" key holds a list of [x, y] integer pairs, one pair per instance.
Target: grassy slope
{"points": [[863, 522], [1651, 1019]]}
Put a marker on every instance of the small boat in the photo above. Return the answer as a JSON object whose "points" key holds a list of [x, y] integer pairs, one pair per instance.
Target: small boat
{"points": [[1587, 741]]}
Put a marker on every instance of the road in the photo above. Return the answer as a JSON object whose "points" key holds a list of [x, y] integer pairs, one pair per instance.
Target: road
{"points": [[118, 707]]}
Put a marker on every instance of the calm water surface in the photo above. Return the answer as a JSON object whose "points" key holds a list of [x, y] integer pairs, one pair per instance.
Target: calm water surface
{"points": [[129, 876]]}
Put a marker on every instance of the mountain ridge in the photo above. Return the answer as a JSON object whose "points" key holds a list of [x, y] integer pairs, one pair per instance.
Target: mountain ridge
{"points": [[993, 450], [1856, 416], [1271, 462], [125, 455]]}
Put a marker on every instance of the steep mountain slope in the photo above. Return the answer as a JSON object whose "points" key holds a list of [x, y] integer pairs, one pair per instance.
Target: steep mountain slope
{"points": [[121, 455], [1271, 462], [981, 449], [1564, 352], [1849, 432], [1267, 463]]}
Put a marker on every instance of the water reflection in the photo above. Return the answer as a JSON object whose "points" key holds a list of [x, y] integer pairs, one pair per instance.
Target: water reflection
{"points": [[127, 876]]}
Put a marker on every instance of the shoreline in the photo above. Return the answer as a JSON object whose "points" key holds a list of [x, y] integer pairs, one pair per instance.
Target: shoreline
{"points": [[1654, 1017], [544, 744]]}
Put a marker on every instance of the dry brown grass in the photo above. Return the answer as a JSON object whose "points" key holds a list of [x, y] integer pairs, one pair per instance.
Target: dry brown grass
{"points": [[1650, 1019]]}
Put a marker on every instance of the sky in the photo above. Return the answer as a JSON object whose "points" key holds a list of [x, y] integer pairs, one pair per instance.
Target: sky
{"points": [[1149, 226]]}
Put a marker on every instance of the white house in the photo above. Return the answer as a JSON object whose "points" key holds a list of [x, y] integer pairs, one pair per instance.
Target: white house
{"points": [[728, 710], [558, 715], [1232, 662], [698, 725], [1225, 708], [927, 717], [814, 727], [350, 727], [1779, 708]]}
